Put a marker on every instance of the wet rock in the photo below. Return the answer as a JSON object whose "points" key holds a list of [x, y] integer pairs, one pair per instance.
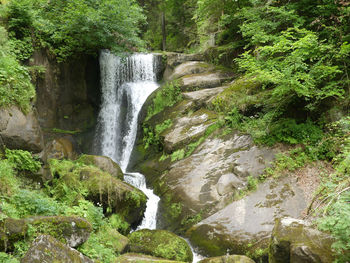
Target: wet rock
{"points": [[11, 231], [228, 259], [20, 131], [203, 97], [204, 81], [160, 243], [296, 241], [189, 68], [73, 230], [140, 258], [46, 249], [200, 184], [60, 148], [245, 226], [106, 164], [187, 129]]}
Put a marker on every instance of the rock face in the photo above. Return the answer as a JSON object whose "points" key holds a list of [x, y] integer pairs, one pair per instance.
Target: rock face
{"points": [[295, 241], [245, 226], [228, 259], [75, 231], [46, 249], [202, 98], [106, 164], [140, 258], [160, 243], [20, 131], [67, 92]]}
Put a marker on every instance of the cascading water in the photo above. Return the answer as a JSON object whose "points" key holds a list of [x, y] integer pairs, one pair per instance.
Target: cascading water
{"points": [[126, 84]]}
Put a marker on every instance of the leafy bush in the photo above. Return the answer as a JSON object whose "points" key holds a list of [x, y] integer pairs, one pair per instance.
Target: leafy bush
{"points": [[87, 210], [151, 137], [15, 82], [8, 181], [6, 258], [22, 160], [166, 96], [26, 202]]}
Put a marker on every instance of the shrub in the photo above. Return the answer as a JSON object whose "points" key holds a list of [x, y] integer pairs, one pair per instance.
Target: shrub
{"points": [[22, 160]]}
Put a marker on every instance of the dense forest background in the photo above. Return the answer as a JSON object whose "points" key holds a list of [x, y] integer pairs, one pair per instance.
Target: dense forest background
{"points": [[295, 54]]}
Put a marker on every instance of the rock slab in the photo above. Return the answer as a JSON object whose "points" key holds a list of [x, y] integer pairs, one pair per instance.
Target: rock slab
{"points": [[46, 249]]}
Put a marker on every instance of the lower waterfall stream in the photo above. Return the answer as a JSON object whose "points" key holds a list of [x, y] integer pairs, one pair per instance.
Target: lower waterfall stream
{"points": [[126, 83]]}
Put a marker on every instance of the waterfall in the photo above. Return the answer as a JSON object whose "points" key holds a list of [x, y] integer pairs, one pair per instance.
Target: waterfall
{"points": [[126, 83]]}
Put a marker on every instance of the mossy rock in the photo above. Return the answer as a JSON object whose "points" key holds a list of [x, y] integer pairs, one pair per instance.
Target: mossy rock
{"points": [[105, 163], [140, 258], [72, 231], [11, 231], [160, 243], [45, 248], [114, 195], [228, 259], [294, 240]]}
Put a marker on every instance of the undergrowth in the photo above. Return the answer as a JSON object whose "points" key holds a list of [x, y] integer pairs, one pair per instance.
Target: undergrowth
{"points": [[166, 96]]}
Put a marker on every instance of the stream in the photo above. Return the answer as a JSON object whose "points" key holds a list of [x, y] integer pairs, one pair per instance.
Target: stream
{"points": [[126, 83]]}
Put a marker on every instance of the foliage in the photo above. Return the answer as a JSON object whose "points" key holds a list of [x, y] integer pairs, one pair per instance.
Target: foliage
{"points": [[22, 160], [26, 202], [6, 258], [89, 26], [8, 182], [337, 222], [152, 137], [298, 67], [118, 223], [87, 210], [97, 248], [166, 96], [15, 82]]}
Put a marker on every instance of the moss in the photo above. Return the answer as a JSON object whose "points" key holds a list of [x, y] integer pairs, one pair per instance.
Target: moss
{"points": [[160, 243]]}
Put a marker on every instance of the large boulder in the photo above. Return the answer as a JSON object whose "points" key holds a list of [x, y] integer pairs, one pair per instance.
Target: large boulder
{"points": [[46, 249], [11, 231], [20, 131], [203, 97], [187, 129], [105, 163], [189, 68], [140, 258], [160, 243], [206, 181], [73, 231], [204, 80], [114, 195], [245, 226], [228, 259], [296, 241]]}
